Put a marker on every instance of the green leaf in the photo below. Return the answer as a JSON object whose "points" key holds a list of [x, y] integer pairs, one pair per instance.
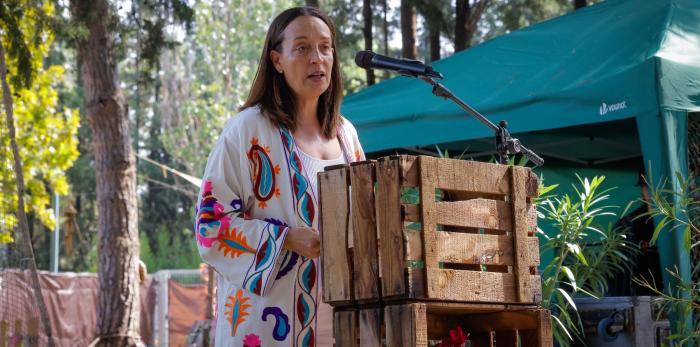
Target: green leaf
{"points": [[563, 328], [567, 297]]}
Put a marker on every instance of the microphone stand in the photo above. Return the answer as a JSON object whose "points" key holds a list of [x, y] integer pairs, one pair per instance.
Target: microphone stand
{"points": [[505, 144]]}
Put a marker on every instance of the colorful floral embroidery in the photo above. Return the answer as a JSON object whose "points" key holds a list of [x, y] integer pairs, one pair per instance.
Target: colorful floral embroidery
{"points": [[235, 243], [237, 205], [281, 328], [252, 340], [300, 186], [289, 259], [264, 173], [236, 310], [264, 259], [306, 272], [306, 302], [210, 216]]}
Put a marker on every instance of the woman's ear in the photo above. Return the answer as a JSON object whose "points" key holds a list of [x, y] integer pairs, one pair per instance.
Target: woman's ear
{"points": [[275, 58]]}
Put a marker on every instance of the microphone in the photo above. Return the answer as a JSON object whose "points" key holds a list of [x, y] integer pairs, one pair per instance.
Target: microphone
{"points": [[413, 68]]}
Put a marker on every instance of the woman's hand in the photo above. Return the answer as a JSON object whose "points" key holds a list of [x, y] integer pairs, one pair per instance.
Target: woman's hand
{"points": [[304, 241]]}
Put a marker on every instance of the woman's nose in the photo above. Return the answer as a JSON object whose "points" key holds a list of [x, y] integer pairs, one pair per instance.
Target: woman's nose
{"points": [[315, 56]]}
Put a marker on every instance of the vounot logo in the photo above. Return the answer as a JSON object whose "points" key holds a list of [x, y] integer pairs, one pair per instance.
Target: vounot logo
{"points": [[605, 108]]}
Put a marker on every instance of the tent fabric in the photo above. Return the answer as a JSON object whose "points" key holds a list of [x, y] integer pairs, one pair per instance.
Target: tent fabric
{"points": [[71, 302], [618, 59]]}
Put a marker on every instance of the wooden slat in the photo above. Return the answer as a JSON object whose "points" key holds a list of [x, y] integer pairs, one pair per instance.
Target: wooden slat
{"points": [[536, 284], [428, 178], [370, 327], [462, 248], [521, 267], [345, 328], [531, 219], [415, 279], [413, 242], [541, 335], [365, 263], [409, 171], [411, 213], [337, 274], [475, 286], [471, 176], [475, 213], [391, 248], [406, 325], [532, 184]]}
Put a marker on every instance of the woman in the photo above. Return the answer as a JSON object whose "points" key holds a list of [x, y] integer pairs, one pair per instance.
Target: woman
{"points": [[257, 215]]}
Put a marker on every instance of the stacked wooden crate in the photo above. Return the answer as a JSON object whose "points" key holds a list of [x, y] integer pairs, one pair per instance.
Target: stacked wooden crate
{"points": [[413, 247]]}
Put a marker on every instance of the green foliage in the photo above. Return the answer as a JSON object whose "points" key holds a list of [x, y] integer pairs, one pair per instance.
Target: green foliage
{"points": [[208, 76], [677, 210], [586, 254], [174, 251], [46, 131]]}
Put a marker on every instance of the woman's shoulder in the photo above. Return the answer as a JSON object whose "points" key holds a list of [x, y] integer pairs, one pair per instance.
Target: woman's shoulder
{"points": [[248, 121], [347, 127]]}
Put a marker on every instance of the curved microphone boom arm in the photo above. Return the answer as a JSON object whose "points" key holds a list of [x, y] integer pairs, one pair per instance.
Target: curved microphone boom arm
{"points": [[505, 144]]}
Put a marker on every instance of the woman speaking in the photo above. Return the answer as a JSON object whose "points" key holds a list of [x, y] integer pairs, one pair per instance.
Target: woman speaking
{"points": [[257, 212]]}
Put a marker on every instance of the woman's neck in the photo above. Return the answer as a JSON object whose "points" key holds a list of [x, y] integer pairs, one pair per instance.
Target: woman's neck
{"points": [[307, 117]]}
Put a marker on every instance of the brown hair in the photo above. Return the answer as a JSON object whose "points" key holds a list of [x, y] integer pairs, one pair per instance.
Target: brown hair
{"points": [[270, 90]]}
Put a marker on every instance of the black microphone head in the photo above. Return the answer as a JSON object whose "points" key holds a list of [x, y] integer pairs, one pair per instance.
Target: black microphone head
{"points": [[363, 59]]}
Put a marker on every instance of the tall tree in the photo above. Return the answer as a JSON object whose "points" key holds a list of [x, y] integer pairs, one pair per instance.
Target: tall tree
{"points": [[367, 33], [385, 27], [408, 30], [18, 18], [467, 17], [579, 4], [118, 243]]}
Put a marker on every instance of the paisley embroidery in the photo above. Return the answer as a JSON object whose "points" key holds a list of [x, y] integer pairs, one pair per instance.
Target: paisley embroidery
{"points": [[281, 328], [264, 173]]}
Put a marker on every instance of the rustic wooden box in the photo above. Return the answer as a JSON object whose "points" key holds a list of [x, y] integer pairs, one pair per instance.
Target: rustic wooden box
{"points": [[425, 228], [423, 324]]}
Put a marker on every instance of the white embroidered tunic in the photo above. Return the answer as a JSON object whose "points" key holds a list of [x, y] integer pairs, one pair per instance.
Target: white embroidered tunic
{"points": [[255, 186]]}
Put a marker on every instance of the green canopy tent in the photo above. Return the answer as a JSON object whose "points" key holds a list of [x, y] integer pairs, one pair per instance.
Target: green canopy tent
{"points": [[626, 72]]}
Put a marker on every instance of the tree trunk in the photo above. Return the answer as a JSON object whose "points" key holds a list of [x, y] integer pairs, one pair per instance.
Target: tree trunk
{"points": [[118, 245], [385, 30], [461, 15], [21, 215], [434, 42], [579, 4], [312, 3], [367, 33], [408, 30]]}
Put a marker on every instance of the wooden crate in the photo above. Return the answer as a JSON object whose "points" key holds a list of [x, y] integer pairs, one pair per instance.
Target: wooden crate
{"points": [[468, 236], [424, 324]]}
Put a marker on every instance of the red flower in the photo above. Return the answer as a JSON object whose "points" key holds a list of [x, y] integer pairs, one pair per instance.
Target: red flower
{"points": [[457, 338]]}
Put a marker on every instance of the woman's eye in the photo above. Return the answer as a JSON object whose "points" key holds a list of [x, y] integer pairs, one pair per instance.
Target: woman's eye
{"points": [[301, 49]]}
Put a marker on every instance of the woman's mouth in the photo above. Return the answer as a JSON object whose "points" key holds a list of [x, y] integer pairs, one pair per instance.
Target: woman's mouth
{"points": [[317, 76]]}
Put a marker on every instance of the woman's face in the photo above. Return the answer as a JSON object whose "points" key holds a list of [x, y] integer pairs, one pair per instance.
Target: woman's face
{"points": [[306, 57]]}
